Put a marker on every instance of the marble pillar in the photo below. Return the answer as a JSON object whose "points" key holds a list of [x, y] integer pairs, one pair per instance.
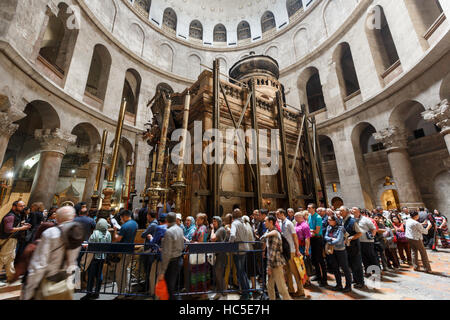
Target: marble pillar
{"points": [[54, 143], [440, 116], [8, 128], [94, 162], [396, 142]]}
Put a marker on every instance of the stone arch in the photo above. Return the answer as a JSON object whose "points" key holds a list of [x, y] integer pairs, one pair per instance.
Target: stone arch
{"points": [[58, 42], [356, 139], [273, 52], [87, 134], [423, 14], [243, 31], [326, 148], [167, 54], [381, 42], [126, 149], [331, 10], [23, 145], [109, 12], [293, 6], [268, 21], [220, 33], [345, 70], [132, 90], [136, 38], [310, 88], [301, 42], [193, 68], [223, 66], [196, 30], [97, 82], [441, 190], [170, 19], [407, 115]]}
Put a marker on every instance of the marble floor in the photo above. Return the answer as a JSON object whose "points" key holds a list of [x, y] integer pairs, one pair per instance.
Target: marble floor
{"points": [[402, 284]]}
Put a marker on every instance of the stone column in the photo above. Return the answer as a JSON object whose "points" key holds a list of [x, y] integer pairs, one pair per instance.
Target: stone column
{"points": [[396, 142], [8, 128], [54, 143], [94, 162], [440, 116]]}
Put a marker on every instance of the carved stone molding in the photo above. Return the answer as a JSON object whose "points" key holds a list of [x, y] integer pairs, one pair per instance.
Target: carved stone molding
{"points": [[54, 140], [439, 115], [392, 138], [7, 119]]}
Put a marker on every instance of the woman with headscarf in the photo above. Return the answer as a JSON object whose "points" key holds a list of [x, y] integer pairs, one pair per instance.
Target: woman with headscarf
{"points": [[95, 274], [189, 229], [219, 234]]}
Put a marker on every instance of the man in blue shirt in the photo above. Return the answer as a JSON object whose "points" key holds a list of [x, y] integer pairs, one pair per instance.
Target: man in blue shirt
{"points": [[127, 234], [128, 230], [317, 246]]}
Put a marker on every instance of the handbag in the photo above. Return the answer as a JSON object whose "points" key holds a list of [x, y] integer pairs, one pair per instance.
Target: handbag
{"points": [[301, 268], [56, 287], [308, 266], [329, 249]]}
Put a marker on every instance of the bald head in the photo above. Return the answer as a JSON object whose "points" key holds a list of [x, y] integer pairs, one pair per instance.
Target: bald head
{"points": [[65, 214]]}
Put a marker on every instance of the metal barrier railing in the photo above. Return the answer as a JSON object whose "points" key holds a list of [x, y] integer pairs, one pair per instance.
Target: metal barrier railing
{"points": [[131, 270]]}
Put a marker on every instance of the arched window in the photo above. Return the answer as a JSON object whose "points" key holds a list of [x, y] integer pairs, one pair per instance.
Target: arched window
{"points": [[131, 90], [381, 41], [144, 5], [98, 77], [170, 19], [58, 43], [345, 68], [423, 14], [293, 6], [196, 30], [314, 93], [243, 31], [267, 21], [220, 33]]}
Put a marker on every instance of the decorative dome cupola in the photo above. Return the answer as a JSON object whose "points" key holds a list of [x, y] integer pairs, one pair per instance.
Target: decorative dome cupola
{"points": [[263, 69]]}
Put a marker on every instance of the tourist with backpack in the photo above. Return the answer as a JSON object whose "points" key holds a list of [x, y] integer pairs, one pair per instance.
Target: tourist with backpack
{"points": [[10, 228], [275, 260], [54, 260]]}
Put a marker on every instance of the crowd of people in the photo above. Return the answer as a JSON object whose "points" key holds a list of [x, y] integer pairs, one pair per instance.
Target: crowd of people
{"points": [[36, 245]]}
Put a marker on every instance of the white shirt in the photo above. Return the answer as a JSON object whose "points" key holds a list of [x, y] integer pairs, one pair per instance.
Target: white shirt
{"points": [[46, 260], [287, 229], [414, 230]]}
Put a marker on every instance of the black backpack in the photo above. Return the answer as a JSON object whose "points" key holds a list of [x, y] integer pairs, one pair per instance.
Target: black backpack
{"points": [[286, 248]]}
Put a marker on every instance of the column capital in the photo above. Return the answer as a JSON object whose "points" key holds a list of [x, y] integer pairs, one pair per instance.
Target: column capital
{"points": [[7, 119], [54, 140], [392, 138], [439, 115]]}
